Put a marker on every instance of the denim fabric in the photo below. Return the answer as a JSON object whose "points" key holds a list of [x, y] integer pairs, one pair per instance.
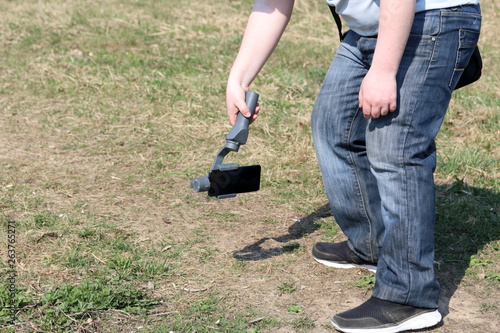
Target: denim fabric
{"points": [[378, 173]]}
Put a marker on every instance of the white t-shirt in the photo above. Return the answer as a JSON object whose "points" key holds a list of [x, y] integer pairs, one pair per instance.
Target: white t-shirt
{"points": [[362, 15]]}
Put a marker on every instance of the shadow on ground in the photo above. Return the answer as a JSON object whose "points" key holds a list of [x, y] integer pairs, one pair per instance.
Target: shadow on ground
{"points": [[467, 220], [304, 226]]}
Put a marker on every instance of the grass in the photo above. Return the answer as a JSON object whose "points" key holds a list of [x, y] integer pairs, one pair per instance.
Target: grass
{"points": [[109, 108], [287, 288]]}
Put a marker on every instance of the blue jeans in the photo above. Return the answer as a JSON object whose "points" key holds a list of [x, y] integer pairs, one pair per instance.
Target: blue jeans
{"points": [[378, 173]]}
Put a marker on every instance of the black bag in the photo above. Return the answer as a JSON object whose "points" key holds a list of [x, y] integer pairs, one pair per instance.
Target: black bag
{"points": [[472, 72]]}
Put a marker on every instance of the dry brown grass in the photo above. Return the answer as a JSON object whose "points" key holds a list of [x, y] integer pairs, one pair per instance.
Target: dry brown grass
{"points": [[109, 108]]}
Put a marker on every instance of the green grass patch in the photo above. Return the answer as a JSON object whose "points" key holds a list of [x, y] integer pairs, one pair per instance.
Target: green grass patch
{"points": [[64, 304], [366, 281], [295, 308], [286, 288]]}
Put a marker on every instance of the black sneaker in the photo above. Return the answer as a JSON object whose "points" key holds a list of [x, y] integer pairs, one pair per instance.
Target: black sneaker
{"points": [[339, 255], [380, 316]]}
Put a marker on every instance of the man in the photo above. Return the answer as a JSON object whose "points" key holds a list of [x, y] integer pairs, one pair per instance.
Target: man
{"points": [[374, 123]]}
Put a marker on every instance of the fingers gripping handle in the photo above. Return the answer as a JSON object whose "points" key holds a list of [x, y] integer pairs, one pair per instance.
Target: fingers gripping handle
{"points": [[251, 99], [239, 132]]}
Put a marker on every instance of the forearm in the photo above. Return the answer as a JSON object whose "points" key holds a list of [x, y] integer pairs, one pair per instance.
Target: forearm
{"points": [[396, 18], [378, 92], [266, 24]]}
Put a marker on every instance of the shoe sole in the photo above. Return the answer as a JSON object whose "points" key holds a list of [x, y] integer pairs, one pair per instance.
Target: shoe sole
{"points": [[427, 319], [345, 265]]}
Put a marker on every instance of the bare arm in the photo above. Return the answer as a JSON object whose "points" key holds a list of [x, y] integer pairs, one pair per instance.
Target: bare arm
{"points": [[378, 93], [266, 24]]}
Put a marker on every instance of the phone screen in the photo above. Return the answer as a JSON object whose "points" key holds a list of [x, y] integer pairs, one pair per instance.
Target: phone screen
{"points": [[241, 180]]}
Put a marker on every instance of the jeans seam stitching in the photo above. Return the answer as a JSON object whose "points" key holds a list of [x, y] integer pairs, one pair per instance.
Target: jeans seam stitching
{"points": [[404, 169], [358, 187]]}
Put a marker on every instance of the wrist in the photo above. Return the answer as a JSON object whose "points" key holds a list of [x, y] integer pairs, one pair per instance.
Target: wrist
{"points": [[383, 72], [235, 81]]}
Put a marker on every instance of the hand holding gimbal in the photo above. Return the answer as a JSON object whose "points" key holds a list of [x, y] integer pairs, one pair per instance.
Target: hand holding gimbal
{"points": [[226, 180]]}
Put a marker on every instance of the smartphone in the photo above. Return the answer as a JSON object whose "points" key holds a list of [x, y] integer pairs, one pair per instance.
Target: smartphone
{"points": [[240, 180]]}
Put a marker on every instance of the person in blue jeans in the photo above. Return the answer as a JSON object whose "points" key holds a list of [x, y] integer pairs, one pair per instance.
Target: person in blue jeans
{"points": [[374, 122]]}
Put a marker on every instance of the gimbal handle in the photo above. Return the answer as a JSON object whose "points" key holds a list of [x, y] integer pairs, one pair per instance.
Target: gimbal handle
{"points": [[238, 135], [239, 132]]}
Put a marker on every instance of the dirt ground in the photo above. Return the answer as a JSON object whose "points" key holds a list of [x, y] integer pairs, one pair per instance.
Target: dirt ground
{"points": [[244, 240], [321, 290]]}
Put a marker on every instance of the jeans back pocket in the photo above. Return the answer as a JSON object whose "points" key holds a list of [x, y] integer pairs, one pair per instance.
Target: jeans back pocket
{"points": [[467, 43]]}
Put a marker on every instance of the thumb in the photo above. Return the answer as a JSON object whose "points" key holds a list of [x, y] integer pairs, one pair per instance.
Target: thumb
{"points": [[243, 108]]}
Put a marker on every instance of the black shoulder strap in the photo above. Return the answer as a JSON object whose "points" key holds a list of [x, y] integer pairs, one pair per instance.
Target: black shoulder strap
{"points": [[336, 17]]}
